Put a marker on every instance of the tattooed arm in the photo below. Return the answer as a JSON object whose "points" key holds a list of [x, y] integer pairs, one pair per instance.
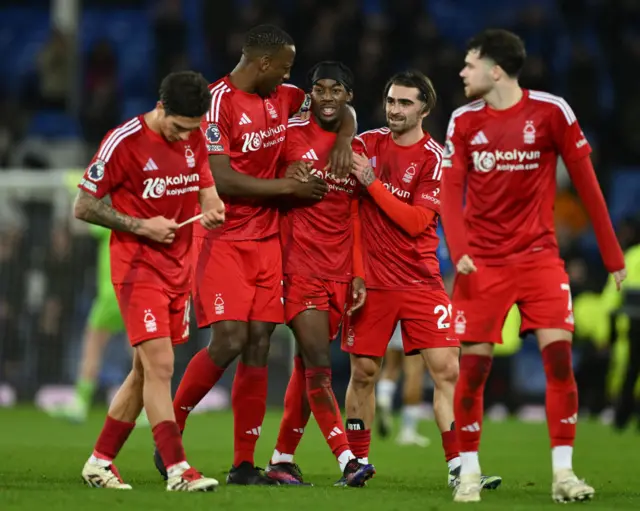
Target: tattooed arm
{"points": [[96, 211], [362, 170]]}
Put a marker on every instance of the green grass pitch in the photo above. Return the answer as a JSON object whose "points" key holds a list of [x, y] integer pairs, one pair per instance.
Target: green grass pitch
{"points": [[41, 460]]}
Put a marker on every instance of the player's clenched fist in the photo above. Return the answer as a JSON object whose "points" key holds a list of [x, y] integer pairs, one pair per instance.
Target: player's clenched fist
{"points": [[340, 159], [299, 170], [465, 265], [361, 169], [158, 228], [214, 215]]}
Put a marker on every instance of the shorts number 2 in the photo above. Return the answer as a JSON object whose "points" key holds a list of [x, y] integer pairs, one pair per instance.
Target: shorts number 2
{"points": [[445, 313]]}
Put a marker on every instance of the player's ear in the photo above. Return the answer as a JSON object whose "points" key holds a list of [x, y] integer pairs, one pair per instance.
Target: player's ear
{"points": [[265, 62], [160, 107], [349, 96]]}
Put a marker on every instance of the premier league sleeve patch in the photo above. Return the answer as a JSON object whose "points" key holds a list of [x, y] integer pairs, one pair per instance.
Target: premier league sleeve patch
{"points": [[213, 136], [96, 171]]}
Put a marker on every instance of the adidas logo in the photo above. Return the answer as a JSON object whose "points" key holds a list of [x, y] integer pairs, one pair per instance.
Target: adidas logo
{"points": [[479, 139], [570, 420], [298, 430], [334, 432], [244, 119], [471, 427], [310, 155], [254, 431], [151, 165]]}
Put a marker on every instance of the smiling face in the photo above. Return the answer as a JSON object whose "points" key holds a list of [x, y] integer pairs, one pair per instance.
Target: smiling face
{"points": [[404, 108], [328, 98]]}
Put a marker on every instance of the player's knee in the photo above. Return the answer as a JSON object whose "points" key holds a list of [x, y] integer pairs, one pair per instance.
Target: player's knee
{"points": [[256, 351], [448, 372], [364, 372], [228, 341], [317, 356], [160, 369]]}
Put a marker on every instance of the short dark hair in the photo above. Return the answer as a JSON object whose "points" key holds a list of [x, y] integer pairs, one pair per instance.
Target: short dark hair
{"points": [[334, 70], [186, 94], [266, 39], [417, 80], [505, 48]]}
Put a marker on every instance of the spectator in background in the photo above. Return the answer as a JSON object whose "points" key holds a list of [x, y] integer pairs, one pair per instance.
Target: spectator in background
{"points": [[170, 32], [54, 72], [100, 109]]}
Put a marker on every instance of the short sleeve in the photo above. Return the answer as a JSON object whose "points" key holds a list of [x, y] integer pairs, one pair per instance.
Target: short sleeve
{"points": [[217, 124], [297, 99], [358, 145], [568, 137], [106, 173], [427, 192], [204, 170], [455, 150]]}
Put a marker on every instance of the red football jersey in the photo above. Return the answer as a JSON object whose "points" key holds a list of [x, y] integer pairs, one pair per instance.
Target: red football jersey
{"points": [[317, 238], [147, 176], [251, 131], [392, 258], [509, 158]]}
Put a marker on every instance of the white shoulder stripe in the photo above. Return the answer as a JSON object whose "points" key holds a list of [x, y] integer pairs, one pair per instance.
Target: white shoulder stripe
{"points": [[117, 136], [295, 121], [216, 97], [474, 106], [290, 85], [359, 139], [545, 97], [437, 151], [383, 131]]}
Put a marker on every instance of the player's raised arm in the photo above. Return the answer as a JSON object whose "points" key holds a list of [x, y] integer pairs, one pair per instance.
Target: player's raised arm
{"points": [[414, 220], [575, 151]]}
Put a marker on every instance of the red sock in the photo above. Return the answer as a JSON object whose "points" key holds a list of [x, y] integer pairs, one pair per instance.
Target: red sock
{"points": [[450, 445], [112, 437], [296, 411], [469, 400], [199, 378], [562, 393], [359, 438], [325, 408], [169, 442], [249, 403]]}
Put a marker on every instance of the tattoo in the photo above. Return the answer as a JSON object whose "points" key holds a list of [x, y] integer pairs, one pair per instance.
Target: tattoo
{"points": [[368, 176], [96, 211]]}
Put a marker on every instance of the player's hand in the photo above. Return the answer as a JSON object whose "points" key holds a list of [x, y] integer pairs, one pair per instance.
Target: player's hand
{"points": [[340, 158], [299, 170], [314, 189], [361, 169], [158, 228], [359, 295], [305, 115], [465, 265], [214, 215], [619, 277]]}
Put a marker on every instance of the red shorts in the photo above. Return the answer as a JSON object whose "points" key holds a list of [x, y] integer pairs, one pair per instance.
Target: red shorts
{"points": [[302, 293], [482, 300], [424, 316], [151, 312], [238, 281]]}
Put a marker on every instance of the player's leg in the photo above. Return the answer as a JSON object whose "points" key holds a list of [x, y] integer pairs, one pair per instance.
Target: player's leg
{"points": [[412, 389], [626, 406], [546, 308], [386, 387], [222, 299], [249, 392], [295, 417], [365, 339], [99, 471], [480, 305]]}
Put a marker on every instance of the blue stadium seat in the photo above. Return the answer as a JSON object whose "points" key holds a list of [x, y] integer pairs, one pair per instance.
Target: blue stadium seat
{"points": [[52, 124]]}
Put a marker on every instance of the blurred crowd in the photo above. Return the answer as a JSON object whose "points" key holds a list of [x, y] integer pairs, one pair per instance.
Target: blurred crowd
{"points": [[78, 88]]}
